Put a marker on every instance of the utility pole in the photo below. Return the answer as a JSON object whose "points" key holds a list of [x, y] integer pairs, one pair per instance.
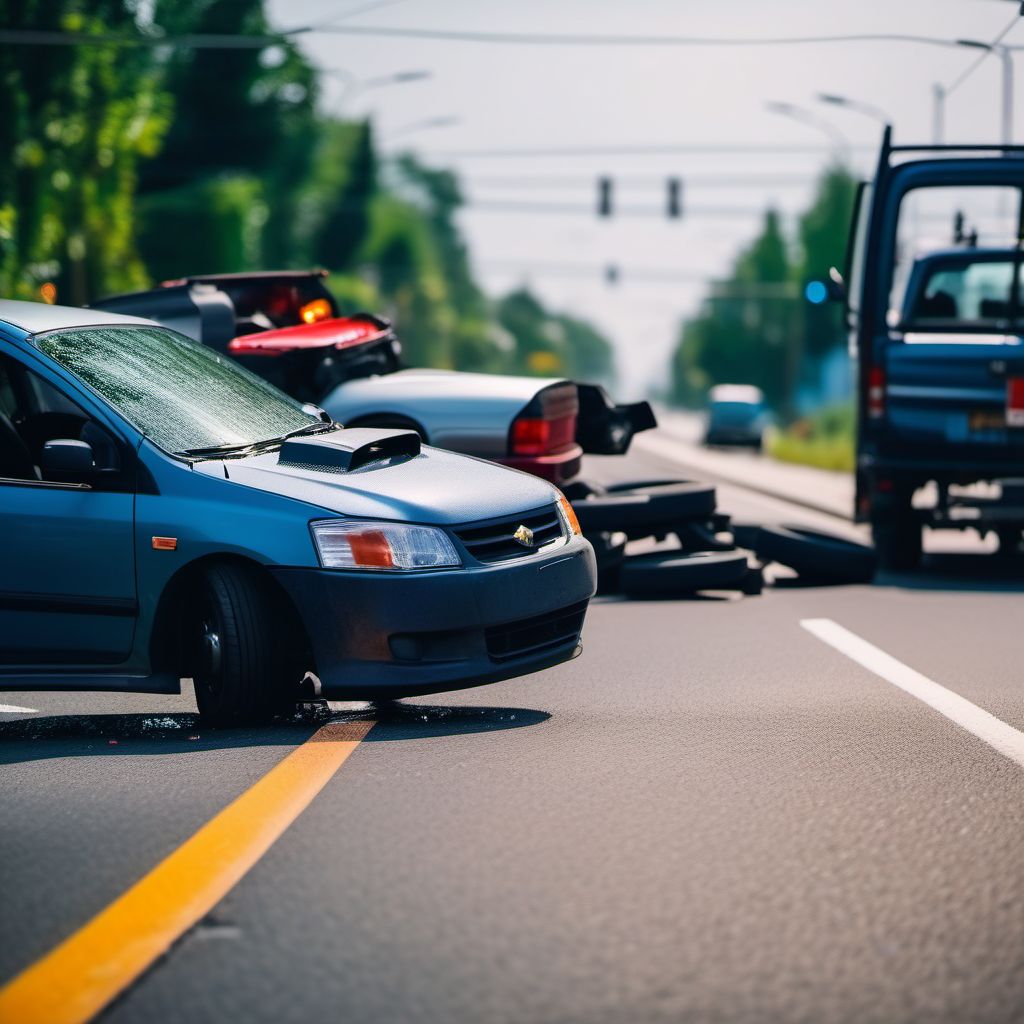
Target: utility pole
{"points": [[938, 114]]}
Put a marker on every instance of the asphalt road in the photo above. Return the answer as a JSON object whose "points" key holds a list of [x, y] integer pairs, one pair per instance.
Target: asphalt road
{"points": [[712, 815]]}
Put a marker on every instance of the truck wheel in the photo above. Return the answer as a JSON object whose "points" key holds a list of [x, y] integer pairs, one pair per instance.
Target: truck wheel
{"points": [[237, 657], [897, 542], [1009, 541]]}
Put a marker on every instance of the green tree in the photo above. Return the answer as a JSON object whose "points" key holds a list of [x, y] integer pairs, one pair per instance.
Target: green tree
{"points": [[554, 344], [745, 332], [74, 123], [822, 235], [754, 326], [241, 142]]}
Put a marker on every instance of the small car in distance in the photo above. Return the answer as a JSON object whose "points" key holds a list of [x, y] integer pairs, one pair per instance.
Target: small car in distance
{"points": [[736, 416], [166, 514]]}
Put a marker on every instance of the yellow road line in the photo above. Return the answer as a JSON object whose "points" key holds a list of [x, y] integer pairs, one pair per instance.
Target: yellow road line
{"points": [[84, 973]]}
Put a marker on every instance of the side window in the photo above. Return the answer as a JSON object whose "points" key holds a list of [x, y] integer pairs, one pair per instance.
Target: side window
{"points": [[33, 412]]}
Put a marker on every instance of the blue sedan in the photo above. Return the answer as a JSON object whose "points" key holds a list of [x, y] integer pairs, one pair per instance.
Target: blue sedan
{"points": [[165, 514]]}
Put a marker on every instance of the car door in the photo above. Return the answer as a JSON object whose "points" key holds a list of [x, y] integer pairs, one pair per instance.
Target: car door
{"points": [[67, 562]]}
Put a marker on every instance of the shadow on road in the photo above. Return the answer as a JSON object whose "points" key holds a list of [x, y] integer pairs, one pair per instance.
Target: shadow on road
{"points": [[42, 738], [955, 571]]}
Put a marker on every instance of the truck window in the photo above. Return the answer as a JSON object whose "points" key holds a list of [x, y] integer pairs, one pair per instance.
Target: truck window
{"points": [[971, 295], [937, 219]]}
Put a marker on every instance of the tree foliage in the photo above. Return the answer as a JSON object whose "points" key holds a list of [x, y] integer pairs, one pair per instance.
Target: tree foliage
{"points": [[755, 327], [133, 164], [74, 124]]}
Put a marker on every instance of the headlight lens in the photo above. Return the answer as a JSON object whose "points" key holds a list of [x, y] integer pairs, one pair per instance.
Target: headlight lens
{"points": [[568, 515], [387, 547]]}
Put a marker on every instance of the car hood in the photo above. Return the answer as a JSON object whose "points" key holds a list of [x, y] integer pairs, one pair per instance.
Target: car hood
{"points": [[432, 487]]}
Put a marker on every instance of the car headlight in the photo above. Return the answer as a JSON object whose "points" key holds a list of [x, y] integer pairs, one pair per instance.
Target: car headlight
{"points": [[568, 514], [387, 547]]}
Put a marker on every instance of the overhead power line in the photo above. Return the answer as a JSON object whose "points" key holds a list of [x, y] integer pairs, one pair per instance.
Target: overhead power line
{"points": [[657, 149], [32, 37], [596, 39]]}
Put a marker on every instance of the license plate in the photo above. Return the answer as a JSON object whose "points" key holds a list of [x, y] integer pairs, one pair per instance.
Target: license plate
{"points": [[1015, 402], [988, 419]]}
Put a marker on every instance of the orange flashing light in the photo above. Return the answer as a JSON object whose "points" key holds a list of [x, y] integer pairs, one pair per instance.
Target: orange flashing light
{"points": [[315, 311], [165, 543]]}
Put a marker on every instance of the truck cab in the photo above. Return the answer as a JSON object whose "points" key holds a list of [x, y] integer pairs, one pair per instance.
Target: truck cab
{"points": [[936, 328]]}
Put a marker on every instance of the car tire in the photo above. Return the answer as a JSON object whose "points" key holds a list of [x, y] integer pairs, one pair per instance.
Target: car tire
{"points": [[745, 534], [236, 652], [664, 573], [815, 555], [646, 508]]}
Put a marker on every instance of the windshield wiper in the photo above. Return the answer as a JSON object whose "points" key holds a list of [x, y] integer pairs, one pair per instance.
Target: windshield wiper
{"points": [[254, 446]]}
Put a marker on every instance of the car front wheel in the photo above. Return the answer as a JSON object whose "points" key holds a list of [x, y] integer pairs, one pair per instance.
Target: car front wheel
{"points": [[238, 663]]}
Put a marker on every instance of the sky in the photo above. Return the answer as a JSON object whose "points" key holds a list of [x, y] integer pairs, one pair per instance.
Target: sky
{"points": [[607, 99]]}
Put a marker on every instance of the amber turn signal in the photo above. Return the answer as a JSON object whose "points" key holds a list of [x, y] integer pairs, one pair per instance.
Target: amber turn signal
{"points": [[570, 514]]}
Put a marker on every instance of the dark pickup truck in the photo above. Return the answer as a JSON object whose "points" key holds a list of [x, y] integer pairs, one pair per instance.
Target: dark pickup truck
{"points": [[940, 363]]}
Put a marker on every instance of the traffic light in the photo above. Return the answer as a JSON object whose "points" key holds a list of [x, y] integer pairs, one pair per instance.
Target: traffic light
{"points": [[675, 198], [604, 197]]}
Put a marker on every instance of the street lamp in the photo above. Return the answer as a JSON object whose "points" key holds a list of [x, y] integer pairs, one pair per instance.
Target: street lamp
{"points": [[858, 106], [352, 86], [835, 136], [419, 126], [1005, 54]]}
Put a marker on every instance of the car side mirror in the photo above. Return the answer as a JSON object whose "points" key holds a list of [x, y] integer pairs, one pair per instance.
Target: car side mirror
{"points": [[67, 460], [835, 286]]}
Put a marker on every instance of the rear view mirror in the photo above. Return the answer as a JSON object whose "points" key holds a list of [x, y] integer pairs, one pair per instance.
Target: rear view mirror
{"points": [[66, 460]]}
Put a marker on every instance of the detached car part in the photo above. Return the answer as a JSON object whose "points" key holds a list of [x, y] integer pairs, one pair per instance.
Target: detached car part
{"points": [[664, 573], [816, 555]]}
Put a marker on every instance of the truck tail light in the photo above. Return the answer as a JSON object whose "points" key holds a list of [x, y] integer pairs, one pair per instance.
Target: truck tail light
{"points": [[876, 393], [547, 424]]}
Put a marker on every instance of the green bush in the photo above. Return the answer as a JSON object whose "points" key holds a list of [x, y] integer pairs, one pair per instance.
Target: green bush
{"points": [[825, 440]]}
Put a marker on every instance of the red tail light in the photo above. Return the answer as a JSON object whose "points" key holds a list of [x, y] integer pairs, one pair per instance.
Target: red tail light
{"points": [[541, 437], [876, 393]]}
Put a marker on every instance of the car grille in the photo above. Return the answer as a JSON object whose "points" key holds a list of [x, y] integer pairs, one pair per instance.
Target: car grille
{"points": [[533, 636], [494, 541]]}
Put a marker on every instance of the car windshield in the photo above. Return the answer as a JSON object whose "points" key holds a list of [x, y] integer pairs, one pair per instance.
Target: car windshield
{"points": [[735, 411], [182, 395]]}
